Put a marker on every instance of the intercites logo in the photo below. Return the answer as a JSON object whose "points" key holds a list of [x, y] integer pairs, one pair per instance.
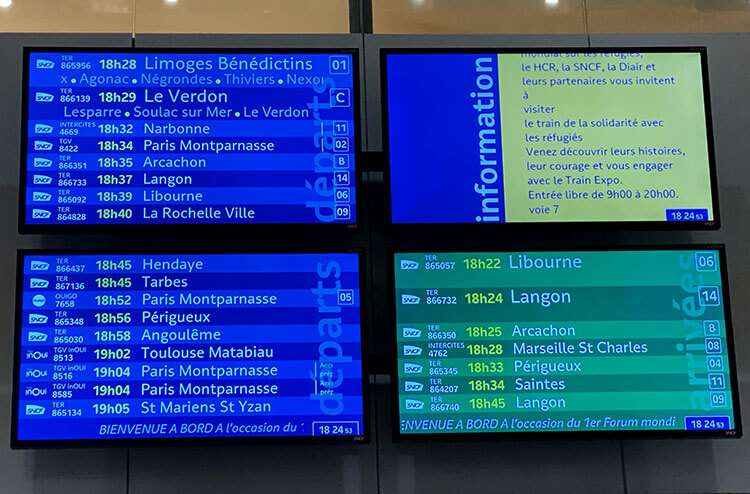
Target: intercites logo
{"points": [[41, 63], [409, 264], [44, 98], [408, 299]]}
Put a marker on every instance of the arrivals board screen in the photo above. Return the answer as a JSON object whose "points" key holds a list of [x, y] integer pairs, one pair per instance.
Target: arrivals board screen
{"points": [[115, 347], [530, 137], [579, 342], [141, 137]]}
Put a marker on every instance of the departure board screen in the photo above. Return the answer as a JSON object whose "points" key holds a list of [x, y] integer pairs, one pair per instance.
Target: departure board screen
{"points": [[134, 137], [140, 347], [613, 341], [550, 137]]}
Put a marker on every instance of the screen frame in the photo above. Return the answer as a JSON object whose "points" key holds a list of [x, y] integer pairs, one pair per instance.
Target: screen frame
{"points": [[151, 228], [15, 443], [611, 225], [735, 433]]}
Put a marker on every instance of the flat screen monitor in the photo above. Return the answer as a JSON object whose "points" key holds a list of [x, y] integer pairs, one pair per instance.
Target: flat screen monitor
{"points": [[154, 137], [615, 342], [115, 348], [529, 137]]}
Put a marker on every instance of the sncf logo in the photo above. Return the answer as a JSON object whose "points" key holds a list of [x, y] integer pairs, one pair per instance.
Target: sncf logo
{"points": [[35, 410], [42, 163], [39, 266], [414, 404], [38, 283], [42, 146], [37, 337], [412, 368], [409, 264], [42, 129], [413, 386], [407, 299], [37, 319], [412, 332], [40, 214], [45, 64]]}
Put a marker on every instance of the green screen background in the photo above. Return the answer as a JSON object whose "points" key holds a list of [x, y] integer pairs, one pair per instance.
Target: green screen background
{"points": [[679, 105], [636, 297]]}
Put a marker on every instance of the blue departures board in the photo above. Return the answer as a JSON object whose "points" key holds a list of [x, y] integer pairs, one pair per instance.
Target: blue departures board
{"points": [[134, 137], [188, 346]]}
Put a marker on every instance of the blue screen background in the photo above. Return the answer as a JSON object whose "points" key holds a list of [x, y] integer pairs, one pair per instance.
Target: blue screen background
{"points": [[432, 129], [312, 328], [93, 114]]}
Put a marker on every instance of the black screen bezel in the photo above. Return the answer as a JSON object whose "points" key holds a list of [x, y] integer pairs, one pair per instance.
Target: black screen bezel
{"points": [[363, 438], [612, 225], [622, 434], [354, 225]]}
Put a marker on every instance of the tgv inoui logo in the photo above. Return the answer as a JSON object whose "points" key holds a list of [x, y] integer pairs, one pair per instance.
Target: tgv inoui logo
{"points": [[407, 299], [412, 332], [413, 386], [414, 404], [35, 410], [44, 97], [37, 319], [412, 368], [45, 64], [412, 350], [39, 266], [42, 129], [42, 163], [409, 264], [42, 146], [36, 373]]}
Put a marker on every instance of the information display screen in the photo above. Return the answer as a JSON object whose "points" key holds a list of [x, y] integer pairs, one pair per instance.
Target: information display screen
{"points": [[143, 137], [141, 347], [550, 137], [614, 341]]}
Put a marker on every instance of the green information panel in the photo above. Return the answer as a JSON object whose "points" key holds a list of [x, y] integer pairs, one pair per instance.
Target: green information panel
{"points": [[609, 341]]}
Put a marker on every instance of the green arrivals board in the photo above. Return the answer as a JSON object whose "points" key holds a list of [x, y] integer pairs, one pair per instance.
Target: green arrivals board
{"points": [[609, 341]]}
